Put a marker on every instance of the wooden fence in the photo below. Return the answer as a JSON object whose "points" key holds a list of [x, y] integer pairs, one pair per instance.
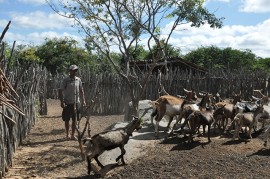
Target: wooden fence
{"points": [[22, 93], [114, 96], [14, 127]]}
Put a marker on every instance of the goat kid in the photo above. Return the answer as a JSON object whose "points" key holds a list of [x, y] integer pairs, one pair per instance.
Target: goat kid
{"points": [[247, 119], [189, 108], [200, 118], [229, 111], [219, 115], [109, 140]]}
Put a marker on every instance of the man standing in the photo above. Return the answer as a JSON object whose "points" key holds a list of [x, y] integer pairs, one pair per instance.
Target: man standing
{"points": [[71, 92]]}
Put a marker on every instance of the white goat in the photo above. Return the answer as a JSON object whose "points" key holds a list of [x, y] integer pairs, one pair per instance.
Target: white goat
{"points": [[247, 119]]}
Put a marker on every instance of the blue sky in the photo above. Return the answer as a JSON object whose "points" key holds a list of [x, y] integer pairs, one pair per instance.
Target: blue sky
{"points": [[246, 25]]}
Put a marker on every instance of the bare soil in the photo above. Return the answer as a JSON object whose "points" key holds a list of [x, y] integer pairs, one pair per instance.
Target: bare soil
{"points": [[46, 153]]}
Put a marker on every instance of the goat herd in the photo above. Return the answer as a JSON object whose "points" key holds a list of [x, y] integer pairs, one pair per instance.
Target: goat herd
{"points": [[210, 111]]}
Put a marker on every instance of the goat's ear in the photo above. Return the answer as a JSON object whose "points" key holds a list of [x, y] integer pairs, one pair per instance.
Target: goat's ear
{"points": [[185, 90]]}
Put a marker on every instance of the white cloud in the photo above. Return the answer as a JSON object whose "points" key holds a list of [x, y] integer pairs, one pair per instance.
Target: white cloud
{"points": [[3, 23], [40, 20], [38, 38], [256, 38], [256, 6]]}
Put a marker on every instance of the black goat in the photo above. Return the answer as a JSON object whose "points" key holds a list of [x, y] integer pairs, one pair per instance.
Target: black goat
{"points": [[109, 140]]}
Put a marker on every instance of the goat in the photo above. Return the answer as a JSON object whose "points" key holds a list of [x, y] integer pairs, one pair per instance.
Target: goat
{"points": [[167, 105], [198, 118], [265, 136], [247, 119], [190, 95], [215, 98], [189, 108], [172, 106], [264, 118], [109, 140], [229, 110], [220, 117]]}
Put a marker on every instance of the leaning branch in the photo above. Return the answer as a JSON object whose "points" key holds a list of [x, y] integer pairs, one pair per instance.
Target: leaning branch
{"points": [[4, 32]]}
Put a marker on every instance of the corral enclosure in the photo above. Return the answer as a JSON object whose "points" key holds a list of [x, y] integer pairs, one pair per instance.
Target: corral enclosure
{"points": [[33, 85]]}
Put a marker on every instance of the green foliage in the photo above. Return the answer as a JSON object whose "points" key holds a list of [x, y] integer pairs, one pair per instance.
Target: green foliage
{"points": [[263, 64], [193, 11], [22, 55], [99, 63], [214, 57], [57, 54], [169, 51], [28, 55]]}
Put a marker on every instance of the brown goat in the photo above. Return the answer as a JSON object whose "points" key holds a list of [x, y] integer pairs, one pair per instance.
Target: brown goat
{"points": [[229, 110], [190, 95], [200, 118], [169, 106], [189, 108], [220, 117]]}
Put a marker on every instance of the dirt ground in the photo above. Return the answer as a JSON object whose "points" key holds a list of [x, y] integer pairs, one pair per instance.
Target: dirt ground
{"points": [[46, 153]]}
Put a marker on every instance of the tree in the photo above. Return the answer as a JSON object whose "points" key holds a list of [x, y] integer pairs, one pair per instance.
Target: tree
{"points": [[263, 64], [121, 25], [216, 58], [57, 54], [156, 53], [27, 55]]}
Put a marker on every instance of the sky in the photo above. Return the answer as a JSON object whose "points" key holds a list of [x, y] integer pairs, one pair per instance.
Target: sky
{"points": [[246, 26]]}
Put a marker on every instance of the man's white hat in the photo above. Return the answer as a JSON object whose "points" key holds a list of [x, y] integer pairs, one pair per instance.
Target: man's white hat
{"points": [[73, 67]]}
